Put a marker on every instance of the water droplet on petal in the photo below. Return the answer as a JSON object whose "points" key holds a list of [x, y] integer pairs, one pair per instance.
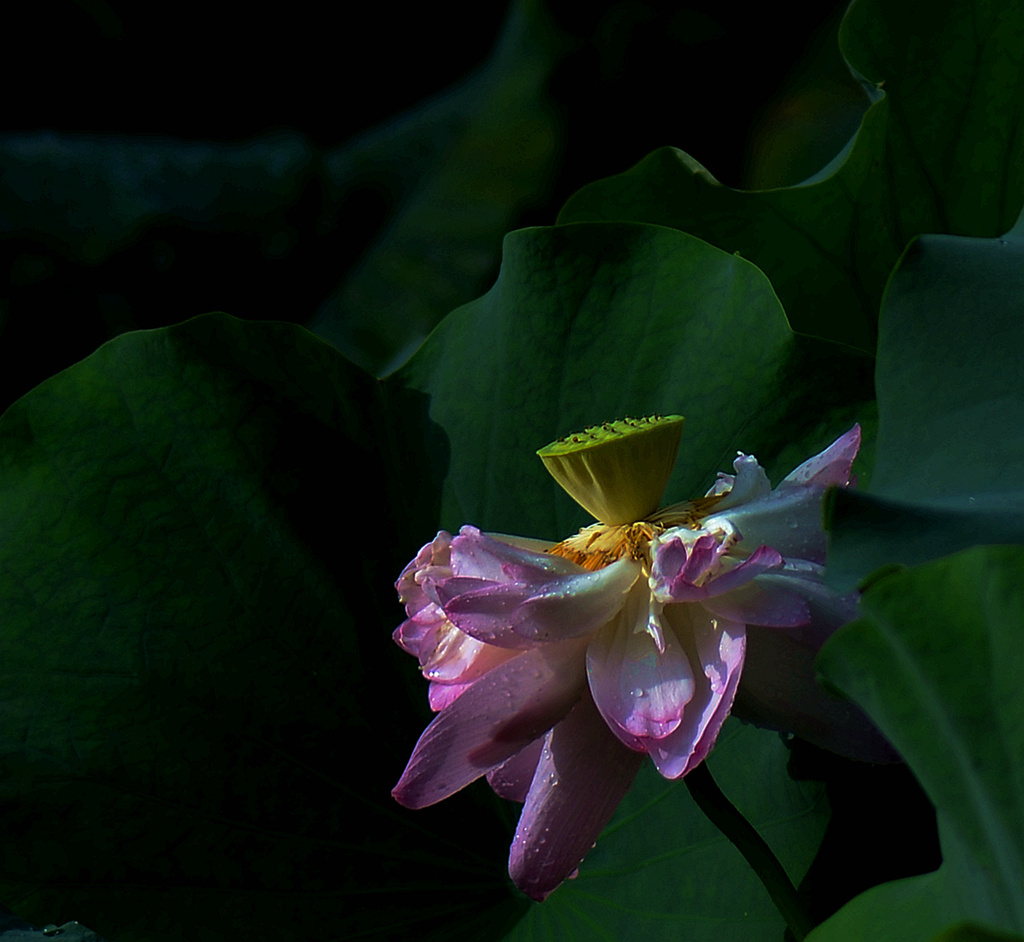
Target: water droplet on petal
{"points": [[638, 692]]}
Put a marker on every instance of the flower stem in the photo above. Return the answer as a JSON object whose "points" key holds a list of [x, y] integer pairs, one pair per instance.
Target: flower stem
{"points": [[741, 833]]}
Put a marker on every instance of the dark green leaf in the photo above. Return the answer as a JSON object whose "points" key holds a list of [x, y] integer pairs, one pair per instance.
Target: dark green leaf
{"points": [[938, 152], [936, 662], [949, 469], [202, 710], [593, 322]]}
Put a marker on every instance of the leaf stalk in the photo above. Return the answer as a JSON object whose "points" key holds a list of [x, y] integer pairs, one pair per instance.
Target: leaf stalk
{"points": [[744, 837]]}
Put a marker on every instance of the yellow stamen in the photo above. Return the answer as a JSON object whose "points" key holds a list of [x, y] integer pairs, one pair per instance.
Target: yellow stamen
{"points": [[689, 513], [600, 545]]}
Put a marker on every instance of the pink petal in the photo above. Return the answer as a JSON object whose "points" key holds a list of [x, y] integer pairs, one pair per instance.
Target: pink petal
{"points": [[677, 567], [670, 558], [479, 556], [527, 543], [434, 557], [718, 646], [641, 691], [779, 687], [829, 467], [577, 605], [723, 484], [779, 690], [763, 559], [501, 713], [750, 483], [827, 609], [759, 604], [418, 635], [788, 520], [512, 778], [518, 615], [459, 659], [583, 774], [672, 583], [441, 695], [446, 654], [485, 610], [701, 558]]}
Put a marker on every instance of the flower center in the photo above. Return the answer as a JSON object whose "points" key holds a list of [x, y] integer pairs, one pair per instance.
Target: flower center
{"points": [[601, 544], [618, 472]]}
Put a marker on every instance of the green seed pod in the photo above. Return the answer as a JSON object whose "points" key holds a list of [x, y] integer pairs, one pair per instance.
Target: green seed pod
{"points": [[617, 471]]}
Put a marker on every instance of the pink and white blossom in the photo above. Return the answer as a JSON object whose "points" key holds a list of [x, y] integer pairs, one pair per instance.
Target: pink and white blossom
{"points": [[556, 668]]}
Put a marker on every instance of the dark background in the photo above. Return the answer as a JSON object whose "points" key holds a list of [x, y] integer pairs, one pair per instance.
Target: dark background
{"points": [[638, 74], [757, 92]]}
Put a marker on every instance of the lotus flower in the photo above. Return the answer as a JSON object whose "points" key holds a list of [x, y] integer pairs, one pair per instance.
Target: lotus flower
{"points": [[556, 668]]}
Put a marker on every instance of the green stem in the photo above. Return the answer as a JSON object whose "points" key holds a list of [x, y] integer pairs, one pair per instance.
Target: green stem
{"points": [[747, 841]]}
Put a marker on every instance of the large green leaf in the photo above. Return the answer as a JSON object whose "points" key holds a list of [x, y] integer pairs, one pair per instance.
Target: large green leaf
{"points": [[936, 661], [937, 152], [662, 872], [596, 321], [195, 669], [949, 469]]}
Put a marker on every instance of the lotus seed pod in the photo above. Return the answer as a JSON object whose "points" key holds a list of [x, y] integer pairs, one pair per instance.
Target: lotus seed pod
{"points": [[618, 470]]}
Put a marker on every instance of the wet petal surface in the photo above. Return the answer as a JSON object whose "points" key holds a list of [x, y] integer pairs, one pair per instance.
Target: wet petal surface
{"points": [[582, 775], [500, 714], [640, 676]]}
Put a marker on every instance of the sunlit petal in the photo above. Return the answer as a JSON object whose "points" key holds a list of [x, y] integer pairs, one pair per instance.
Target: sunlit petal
{"points": [[557, 666], [640, 690], [718, 648], [500, 714], [517, 615], [582, 775], [831, 467]]}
